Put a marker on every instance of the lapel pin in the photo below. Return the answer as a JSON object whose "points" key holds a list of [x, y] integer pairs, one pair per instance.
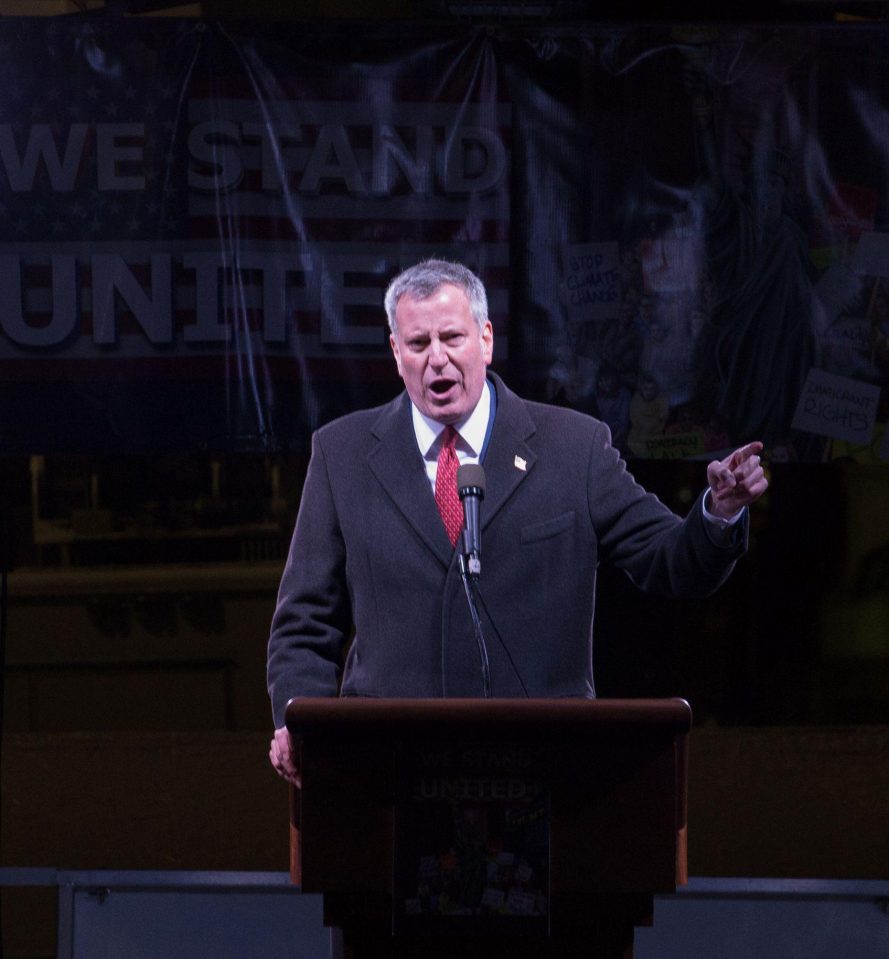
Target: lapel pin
{"points": [[520, 464]]}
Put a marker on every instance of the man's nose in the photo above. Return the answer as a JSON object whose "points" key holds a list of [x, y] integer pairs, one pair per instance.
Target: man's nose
{"points": [[437, 355]]}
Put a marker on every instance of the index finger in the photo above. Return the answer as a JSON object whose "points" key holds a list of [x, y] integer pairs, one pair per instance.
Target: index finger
{"points": [[745, 452]]}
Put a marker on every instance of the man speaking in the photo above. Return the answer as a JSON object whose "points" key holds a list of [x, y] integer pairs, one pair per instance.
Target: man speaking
{"points": [[373, 555]]}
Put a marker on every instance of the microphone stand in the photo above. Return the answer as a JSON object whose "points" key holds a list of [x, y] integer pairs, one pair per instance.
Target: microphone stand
{"points": [[471, 488]]}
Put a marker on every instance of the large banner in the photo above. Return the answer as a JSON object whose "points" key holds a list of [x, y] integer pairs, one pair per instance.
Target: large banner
{"points": [[683, 231]]}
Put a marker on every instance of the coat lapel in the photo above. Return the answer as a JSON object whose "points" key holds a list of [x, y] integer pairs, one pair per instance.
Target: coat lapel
{"points": [[396, 463], [509, 459]]}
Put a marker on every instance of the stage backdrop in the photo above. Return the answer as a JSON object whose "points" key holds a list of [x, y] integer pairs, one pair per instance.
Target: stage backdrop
{"points": [[682, 230]]}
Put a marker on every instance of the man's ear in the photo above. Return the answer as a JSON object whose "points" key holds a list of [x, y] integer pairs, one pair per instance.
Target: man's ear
{"points": [[487, 338], [393, 343]]}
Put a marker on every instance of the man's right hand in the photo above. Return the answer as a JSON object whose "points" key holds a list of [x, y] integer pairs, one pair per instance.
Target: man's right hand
{"points": [[282, 758]]}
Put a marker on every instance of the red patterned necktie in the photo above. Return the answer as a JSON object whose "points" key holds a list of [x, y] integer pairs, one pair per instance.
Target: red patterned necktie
{"points": [[446, 496]]}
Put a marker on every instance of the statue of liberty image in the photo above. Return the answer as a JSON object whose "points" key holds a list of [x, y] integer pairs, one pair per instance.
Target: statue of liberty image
{"points": [[758, 341]]}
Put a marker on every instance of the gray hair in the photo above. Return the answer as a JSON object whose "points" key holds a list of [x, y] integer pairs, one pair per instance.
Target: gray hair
{"points": [[425, 279]]}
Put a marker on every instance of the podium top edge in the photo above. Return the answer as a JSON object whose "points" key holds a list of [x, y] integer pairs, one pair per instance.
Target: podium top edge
{"points": [[671, 716]]}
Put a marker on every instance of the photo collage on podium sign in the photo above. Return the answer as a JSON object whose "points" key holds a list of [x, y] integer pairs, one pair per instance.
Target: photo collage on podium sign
{"points": [[471, 843]]}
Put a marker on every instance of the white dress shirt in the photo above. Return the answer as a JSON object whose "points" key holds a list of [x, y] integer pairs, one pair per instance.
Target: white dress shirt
{"points": [[471, 432]]}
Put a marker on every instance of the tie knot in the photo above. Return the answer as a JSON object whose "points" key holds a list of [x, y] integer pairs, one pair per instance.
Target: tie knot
{"points": [[450, 437]]}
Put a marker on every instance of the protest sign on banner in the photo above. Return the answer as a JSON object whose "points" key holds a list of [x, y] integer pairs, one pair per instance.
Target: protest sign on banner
{"points": [[838, 407], [591, 281]]}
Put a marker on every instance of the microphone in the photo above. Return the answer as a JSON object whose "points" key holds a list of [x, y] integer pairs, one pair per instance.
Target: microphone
{"points": [[471, 488]]}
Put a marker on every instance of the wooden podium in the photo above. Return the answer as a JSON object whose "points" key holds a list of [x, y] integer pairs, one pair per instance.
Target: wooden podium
{"points": [[513, 828]]}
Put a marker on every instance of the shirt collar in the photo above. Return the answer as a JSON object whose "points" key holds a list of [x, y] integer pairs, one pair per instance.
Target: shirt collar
{"points": [[472, 429]]}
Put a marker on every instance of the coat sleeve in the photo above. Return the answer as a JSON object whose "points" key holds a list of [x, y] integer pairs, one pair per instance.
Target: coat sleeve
{"points": [[312, 617], [658, 550]]}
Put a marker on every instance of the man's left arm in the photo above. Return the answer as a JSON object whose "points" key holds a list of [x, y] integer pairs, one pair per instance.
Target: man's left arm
{"points": [[661, 552]]}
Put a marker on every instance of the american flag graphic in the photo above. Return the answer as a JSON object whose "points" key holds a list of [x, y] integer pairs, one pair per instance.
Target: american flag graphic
{"points": [[201, 222]]}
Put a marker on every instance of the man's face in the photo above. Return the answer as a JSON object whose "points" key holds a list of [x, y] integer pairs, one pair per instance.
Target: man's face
{"points": [[440, 353]]}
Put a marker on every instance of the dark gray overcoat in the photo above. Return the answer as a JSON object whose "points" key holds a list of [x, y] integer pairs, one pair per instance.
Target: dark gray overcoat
{"points": [[370, 555]]}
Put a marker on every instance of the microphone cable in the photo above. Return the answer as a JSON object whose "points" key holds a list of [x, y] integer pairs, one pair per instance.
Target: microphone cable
{"points": [[470, 587], [503, 645]]}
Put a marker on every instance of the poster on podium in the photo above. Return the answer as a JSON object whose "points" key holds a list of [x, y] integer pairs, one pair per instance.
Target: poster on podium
{"points": [[472, 832]]}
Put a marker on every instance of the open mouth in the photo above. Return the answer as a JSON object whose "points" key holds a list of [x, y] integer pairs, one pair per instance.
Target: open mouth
{"points": [[441, 387]]}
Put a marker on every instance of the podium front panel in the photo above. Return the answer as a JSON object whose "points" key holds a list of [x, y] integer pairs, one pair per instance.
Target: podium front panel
{"points": [[497, 815]]}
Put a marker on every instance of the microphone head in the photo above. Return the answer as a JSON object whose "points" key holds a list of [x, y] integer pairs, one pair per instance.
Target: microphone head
{"points": [[471, 476]]}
